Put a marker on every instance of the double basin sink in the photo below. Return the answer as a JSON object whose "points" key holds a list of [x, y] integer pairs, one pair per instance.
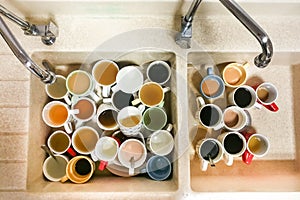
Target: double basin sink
{"points": [[279, 170]]}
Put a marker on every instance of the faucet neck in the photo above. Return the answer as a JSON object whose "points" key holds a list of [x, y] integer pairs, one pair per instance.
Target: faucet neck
{"points": [[46, 76]]}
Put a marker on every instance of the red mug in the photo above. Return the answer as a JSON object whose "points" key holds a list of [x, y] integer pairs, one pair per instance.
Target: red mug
{"points": [[257, 146], [266, 95]]}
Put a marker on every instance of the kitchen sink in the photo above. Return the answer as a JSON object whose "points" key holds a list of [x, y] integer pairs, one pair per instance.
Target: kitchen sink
{"points": [[63, 63], [279, 170]]}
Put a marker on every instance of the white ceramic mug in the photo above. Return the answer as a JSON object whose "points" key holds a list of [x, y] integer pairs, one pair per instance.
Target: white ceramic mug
{"points": [[210, 151], [57, 114], [244, 97], [59, 143], [87, 110], [258, 145], [161, 142], [209, 115], [129, 79], [234, 145], [119, 99], [58, 90], [235, 118], [155, 118], [55, 169], [151, 94], [80, 83], [104, 73], [84, 140], [107, 117], [159, 71], [132, 154], [106, 151], [130, 120]]}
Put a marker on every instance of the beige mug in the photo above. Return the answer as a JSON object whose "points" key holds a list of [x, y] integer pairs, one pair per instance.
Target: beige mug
{"points": [[79, 170], [235, 74]]}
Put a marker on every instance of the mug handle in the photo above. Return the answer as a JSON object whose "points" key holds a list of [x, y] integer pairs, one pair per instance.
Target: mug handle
{"points": [[131, 171], [67, 99], [228, 159], [107, 100], [210, 71], [200, 102], [204, 165], [64, 179], [68, 127], [166, 89], [71, 152], [95, 97], [272, 107], [136, 102], [106, 91], [247, 157], [102, 165]]}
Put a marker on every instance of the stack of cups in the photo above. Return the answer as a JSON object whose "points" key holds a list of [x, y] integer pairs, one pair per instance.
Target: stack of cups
{"points": [[129, 127]]}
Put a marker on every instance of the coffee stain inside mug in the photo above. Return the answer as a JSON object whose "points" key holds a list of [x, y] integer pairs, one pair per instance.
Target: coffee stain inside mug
{"points": [[58, 114], [232, 75], [210, 87]]}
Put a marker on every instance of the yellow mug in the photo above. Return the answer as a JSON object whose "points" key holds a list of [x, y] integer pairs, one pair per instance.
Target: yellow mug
{"points": [[234, 74], [79, 169]]}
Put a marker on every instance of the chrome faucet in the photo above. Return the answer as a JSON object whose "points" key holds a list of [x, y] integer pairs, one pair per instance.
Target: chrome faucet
{"points": [[183, 39], [48, 32], [46, 76]]}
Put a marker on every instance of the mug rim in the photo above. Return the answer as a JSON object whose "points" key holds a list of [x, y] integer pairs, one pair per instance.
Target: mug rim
{"points": [[158, 108], [121, 112], [154, 134], [44, 113], [240, 67], [161, 89], [221, 150], [224, 135], [165, 64], [253, 96], [46, 174], [51, 96], [76, 132], [98, 144], [55, 133], [113, 95], [267, 144], [94, 109], [219, 111], [100, 62], [242, 112], [273, 86], [91, 84], [71, 162], [124, 71], [102, 108], [169, 167], [219, 80], [140, 161]]}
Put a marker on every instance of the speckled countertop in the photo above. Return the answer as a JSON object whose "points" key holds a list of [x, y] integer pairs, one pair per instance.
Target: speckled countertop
{"points": [[214, 34]]}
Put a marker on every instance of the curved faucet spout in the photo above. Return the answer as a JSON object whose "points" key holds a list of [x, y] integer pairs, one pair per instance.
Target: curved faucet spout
{"points": [[46, 76], [183, 38], [263, 59]]}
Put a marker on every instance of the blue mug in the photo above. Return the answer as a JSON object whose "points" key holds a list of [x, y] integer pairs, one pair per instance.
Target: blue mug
{"points": [[158, 168], [212, 86]]}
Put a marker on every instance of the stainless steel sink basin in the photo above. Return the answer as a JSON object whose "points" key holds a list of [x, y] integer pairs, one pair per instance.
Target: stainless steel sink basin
{"points": [[279, 170]]}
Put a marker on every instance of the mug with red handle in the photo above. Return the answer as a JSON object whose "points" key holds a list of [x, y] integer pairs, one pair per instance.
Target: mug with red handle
{"points": [[267, 94], [258, 145]]}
